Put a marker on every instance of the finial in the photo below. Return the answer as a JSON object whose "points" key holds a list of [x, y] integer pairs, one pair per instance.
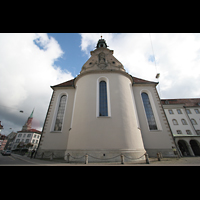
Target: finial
{"points": [[101, 35]]}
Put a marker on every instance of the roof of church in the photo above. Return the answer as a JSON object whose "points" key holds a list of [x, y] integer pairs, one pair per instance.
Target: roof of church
{"points": [[69, 83], [142, 81], [194, 102], [136, 80]]}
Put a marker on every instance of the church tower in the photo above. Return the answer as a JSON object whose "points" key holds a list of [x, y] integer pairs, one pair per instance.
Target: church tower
{"points": [[27, 125], [104, 121]]}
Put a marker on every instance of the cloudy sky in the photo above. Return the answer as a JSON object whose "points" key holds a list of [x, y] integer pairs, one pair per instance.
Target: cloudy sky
{"points": [[31, 63]]}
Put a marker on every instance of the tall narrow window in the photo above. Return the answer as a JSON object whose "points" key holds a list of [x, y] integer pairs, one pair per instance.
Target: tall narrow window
{"points": [[60, 114], [149, 112], [103, 106]]}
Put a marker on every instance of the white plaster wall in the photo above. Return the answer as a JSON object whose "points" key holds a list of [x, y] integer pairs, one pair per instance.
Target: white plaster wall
{"points": [[119, 131], [178, 117], [153, 139], [58, 139]]}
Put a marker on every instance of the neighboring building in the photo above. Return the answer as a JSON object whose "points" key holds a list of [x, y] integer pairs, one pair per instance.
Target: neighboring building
{"points": [[11, 138], [2, 137], [27, 137], [3, 144], [184, 118], [105, 112], [1, 127]]}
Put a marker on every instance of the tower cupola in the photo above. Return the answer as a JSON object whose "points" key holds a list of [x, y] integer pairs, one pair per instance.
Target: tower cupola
{"points": [[101, 43]]}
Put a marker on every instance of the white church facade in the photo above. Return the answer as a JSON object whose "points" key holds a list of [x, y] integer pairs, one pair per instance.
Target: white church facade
{"points": [[105, 112]]}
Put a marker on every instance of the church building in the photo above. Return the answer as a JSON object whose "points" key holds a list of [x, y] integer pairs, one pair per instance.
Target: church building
{"points": [[105, 112]]}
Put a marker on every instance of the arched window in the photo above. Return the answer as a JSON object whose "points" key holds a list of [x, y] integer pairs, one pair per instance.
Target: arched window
{"points": [[103, 105], [149, 112], [193, 121], [174, 121], [184, 122], [60, 113]]}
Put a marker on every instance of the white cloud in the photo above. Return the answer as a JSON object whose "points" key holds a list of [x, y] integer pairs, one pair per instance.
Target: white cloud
{"points": [[177, 58], [27, 71]]}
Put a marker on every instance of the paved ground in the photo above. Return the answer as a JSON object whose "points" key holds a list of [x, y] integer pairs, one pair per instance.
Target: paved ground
{"points": [[16, 160]]}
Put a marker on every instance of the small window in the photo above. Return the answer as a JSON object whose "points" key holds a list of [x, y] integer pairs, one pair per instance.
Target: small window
{"points": [[19, 135], [188, 111], [184, 122], [174, 121], [198, 132], [29, 135], [188, 132], [197, 111], [166, 102], [24, 135], [171, 112], [27, 140], [193, 121], [17, 140], [33, 141], [179, 111], [179, 132]]}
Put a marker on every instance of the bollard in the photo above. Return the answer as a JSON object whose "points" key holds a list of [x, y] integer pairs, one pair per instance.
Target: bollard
{"points": [[147, 158], [68, 155], [51, 157], [158, 156], [86, 159], [161, 156], [122, 159]]}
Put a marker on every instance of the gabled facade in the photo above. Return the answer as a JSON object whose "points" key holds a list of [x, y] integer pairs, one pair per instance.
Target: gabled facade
{"points": [[105, 112]]}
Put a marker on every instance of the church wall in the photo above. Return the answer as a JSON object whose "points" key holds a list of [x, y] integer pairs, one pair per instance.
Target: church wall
{"points": [[56, 141], [119, 131], [154, 140]]}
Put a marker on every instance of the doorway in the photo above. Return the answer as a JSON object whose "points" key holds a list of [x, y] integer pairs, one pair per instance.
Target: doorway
{"points": [[195, 147], [183, 147]]}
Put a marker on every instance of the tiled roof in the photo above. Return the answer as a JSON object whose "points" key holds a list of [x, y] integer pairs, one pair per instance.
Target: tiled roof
{"points": [[187, 102], [142, 81], [30, 131], [69, 83], [136, 80]]}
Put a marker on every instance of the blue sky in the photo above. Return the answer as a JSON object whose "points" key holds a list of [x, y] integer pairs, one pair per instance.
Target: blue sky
{"points": [[73, 58], [32, 62]]}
